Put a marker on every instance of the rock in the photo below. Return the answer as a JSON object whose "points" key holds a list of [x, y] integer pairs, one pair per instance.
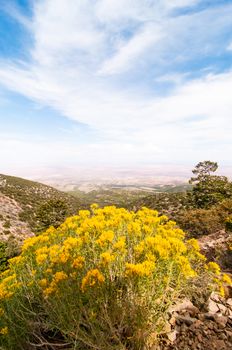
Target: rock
{"points": [[220, 344], [167, 328], [222, 308], [211, 325], [172, 336], [196, 325], [215, 297], [202, 317], [229, 302], [172, 321], [221, 320], [229, 335], [186, 319], [208, 316], [185, 304], [212, 307], [223, 336], [228, 312]]}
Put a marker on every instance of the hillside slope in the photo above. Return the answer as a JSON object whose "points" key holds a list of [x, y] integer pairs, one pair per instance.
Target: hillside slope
{"points": [[27, 207]]}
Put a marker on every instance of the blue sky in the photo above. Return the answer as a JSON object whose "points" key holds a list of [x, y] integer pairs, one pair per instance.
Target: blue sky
{"points": [[115, 83]]}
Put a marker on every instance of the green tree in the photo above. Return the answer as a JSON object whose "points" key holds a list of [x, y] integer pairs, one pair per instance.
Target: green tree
{"points": [[202, 170], [51, 213], [209, 189]]}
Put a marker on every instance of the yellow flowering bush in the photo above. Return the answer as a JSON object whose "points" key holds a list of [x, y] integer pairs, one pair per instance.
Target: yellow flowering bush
{"points": [[102, 280]]}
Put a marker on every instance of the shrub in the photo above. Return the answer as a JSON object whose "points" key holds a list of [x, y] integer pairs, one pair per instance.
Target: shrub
{"points": [[7, 224], [228, 223], [103, 280], [51, 213], [3, 256], [198, 222]]}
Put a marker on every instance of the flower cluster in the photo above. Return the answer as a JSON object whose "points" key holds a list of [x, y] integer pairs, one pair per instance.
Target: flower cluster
{"points": [[102, 261]]}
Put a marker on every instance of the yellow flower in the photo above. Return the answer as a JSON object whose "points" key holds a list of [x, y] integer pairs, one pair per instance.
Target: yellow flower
{"points": [[226, 279], [200, 256], [78, 262], [106, 258], [139, 248], [185, 267], [84, 213], [64, 257], [142, 269], [72, 242], [29, 242], [50, 290], [193, 244], [60, 276], [40, 259], [92, 277], [94, 207], [120, 244], [4, 331], [54, 253], [147, 229], [134, 228], [105, 237], [213, 267], [222, 291], [16, 260], [73, 274], [43, 283]]}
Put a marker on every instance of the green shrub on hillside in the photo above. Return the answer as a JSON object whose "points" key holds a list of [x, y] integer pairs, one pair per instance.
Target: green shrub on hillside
{"points": [[3, 256], [103, 280], [199, 222], [7, 224], [51, 213], [228, 223]]}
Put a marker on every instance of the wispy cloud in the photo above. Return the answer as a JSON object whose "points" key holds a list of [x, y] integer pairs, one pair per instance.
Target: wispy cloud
{"points": [[12, 10], [102, 64], [129, 53]]}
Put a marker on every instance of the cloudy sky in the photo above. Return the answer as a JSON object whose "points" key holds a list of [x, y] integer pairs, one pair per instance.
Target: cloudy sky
{"points": [[115, 82]]}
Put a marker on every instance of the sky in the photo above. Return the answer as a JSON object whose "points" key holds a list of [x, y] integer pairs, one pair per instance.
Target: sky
{"points": [[96, 83]]}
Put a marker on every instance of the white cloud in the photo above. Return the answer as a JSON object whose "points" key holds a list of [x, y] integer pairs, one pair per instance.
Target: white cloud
{"points": [[79, 48], [179, 3], [128, 53]]}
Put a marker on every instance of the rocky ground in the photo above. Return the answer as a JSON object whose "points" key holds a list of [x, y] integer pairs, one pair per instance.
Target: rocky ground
{"points": [[193, 329], [11, 227], [216, 247]]}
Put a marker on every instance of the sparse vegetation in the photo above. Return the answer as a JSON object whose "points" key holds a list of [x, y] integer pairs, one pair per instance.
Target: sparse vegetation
{"points": [[32, 197], [6, 224]]}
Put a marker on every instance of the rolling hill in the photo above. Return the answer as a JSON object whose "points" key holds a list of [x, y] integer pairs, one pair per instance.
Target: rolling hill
{"points": [[27, 207]]}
